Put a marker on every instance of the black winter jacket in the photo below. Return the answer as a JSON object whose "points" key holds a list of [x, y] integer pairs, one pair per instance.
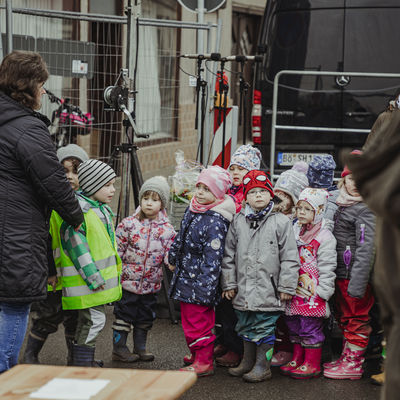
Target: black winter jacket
{"points": [[32, 183]]}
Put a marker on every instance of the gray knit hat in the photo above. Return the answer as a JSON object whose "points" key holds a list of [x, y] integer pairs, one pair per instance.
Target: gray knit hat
{"points": [[93, 175], [159, 185], [293, 181], [72, 150]]}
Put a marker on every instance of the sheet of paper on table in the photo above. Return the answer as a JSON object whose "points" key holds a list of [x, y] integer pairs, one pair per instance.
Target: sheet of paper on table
{"points": [[70, 389]]}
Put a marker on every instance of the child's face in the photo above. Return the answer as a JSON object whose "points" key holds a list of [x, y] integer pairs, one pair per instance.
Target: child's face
{"points": [[258, 198], [150, 204], [237, 174], [304, 213], [71, 173], [351, 185], [287, 202], [106, 193], [203, 194]]}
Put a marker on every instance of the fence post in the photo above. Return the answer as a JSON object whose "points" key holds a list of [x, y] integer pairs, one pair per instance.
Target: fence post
{"points": [[9, 26]]}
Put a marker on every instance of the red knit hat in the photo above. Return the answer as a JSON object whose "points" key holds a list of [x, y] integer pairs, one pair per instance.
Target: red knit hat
{"points": [[256, 178], [346, 170]]}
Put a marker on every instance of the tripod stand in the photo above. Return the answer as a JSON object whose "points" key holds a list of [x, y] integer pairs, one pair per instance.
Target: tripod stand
{"points": [[243, 89], [200, 84], [223, 96]]}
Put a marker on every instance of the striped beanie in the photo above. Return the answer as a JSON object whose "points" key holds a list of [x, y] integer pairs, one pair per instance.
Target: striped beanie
{"points": [[93, 175]]}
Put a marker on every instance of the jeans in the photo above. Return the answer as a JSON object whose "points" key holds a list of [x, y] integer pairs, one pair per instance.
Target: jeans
{"points": [[13, 324]]}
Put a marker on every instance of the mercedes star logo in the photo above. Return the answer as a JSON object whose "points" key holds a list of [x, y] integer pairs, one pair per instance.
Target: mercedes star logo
{"points": [[342, 80]]}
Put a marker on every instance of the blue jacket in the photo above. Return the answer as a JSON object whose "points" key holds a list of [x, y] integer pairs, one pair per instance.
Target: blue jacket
{"points": [[197, 253]]}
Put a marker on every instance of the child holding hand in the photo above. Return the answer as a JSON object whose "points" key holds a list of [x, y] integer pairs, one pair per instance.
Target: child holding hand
{"points": [[308, 308], [259, 273], [196, 257], [143, 243]]}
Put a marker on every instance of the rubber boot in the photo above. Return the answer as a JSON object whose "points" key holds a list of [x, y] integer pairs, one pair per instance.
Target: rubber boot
{"points": [[332, 364], [261, 370], [140, 339], [297, 359], [229, 359], [248, 360], [120, 349], [311, 366], [70, 343], [189, 360], [351, 366], [83, 356], [33, 347], [203, 364]]}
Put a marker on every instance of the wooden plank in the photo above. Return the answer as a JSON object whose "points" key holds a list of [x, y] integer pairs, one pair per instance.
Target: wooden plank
{"points": [[135, 384]]}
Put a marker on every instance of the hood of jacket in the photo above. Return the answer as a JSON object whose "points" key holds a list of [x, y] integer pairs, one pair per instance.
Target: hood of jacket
{"points": [[227, 208], [11, 109]]}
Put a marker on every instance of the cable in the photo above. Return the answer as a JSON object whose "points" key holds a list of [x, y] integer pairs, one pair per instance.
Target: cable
{"points": [[187, 73]]}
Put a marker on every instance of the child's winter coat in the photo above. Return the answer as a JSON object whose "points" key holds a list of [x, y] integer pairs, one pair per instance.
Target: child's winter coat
{"points": [[260, 262], [355, 230], [197, 253], [238, 196], [316, 282], [143, 247]]}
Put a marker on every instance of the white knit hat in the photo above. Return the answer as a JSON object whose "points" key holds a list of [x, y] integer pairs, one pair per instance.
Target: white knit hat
{"points": [[159, 185], [72, 151], [317, 199], [293, 181], [93, 175]]}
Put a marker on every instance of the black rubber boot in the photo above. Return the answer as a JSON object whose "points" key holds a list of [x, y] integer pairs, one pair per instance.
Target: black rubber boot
{"points": [[83, 356], [139, 340], [261, 370], [248, 360], [70, 343], [120, 349], [33, 347]]}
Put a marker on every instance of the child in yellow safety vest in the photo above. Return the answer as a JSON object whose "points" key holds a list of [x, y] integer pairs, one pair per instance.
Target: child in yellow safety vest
{"points": [[48, 314], [90, 265]]}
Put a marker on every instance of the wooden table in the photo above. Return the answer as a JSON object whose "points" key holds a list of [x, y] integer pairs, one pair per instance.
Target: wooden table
{"points": [[19, 382]]}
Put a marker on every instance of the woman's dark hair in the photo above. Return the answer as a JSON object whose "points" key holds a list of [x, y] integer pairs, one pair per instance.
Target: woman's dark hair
{"points": [[75, 163], [21, 74]]}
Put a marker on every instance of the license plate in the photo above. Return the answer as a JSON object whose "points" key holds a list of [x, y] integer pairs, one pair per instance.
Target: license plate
{"points": [[289, 159]]}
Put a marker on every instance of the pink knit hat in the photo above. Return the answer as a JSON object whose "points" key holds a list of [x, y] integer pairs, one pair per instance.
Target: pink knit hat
{"points": [[217, 179]]}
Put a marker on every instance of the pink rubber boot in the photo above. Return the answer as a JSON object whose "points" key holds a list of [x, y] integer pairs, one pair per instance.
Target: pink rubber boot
{"points": [[203, 364], [189, 359], [297, 359], [331, 364], [311, 366], [349, 368]]}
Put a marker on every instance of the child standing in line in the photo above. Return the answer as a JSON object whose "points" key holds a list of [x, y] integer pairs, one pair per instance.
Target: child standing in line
{"points": [[354, 231], [308, 308], [143, 243], [287, 188], [244, 159], [259, 272], [90, 264], [229, 348], [48, 314], [195, 257]]}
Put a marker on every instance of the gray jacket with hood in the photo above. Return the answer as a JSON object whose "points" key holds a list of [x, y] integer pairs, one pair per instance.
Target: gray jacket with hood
{"points": [[257, 259]]}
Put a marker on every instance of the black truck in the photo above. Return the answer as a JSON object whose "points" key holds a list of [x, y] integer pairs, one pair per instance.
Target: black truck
{"points": [[324, 35]]}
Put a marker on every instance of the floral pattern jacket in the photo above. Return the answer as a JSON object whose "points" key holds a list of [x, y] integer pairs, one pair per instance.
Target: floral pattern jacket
{"points": [[143, 247]]}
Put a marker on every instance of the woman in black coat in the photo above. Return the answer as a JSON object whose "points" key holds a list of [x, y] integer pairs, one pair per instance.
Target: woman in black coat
{"points": [[32, 183]]}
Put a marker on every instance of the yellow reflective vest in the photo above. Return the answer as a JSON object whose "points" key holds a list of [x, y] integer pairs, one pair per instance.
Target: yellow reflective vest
{"points": [[55, 225], [75, 292]]}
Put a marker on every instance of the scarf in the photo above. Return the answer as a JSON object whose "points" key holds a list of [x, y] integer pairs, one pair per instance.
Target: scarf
{"points": [[196, 207], [234, 189], [305, 234], [254, 215], [345, 199]]}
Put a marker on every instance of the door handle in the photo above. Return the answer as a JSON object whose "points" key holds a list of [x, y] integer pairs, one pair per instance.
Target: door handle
{"points": [[358, 114]]}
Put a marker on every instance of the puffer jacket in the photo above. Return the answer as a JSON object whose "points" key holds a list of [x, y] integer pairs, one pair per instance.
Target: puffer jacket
{"points": [[197, 253], [257, 259], [355, 227], [143, 247], [32, 183]]}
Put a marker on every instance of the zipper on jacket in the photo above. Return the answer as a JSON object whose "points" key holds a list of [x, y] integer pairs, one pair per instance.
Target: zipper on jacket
{"points": [[275, 289], [347, 260], [145, 257], [362, 236]]}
